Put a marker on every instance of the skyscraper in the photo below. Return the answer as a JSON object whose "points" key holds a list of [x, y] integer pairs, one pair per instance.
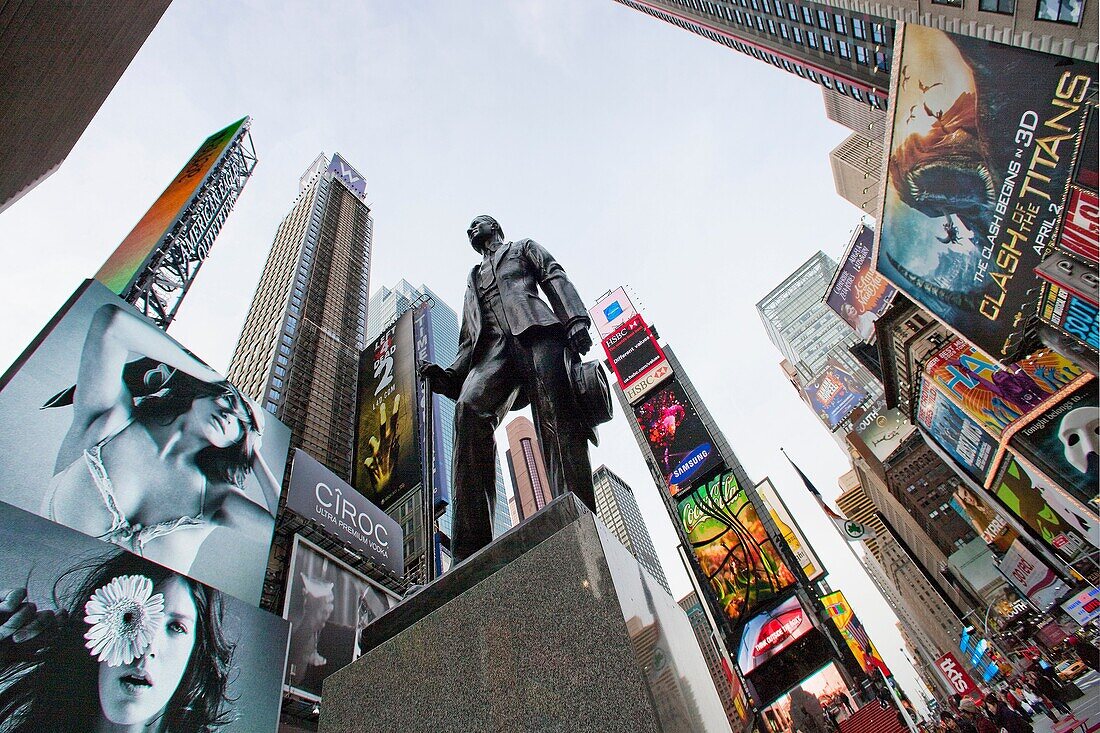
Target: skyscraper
{"points": [[734, 705], [618, 510], [527, 468], [857, 161], [58, 62], [386, 305], [298, 352]]}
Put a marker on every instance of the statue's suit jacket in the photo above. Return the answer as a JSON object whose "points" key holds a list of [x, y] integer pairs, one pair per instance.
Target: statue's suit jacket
{"points": [[521, 267]]}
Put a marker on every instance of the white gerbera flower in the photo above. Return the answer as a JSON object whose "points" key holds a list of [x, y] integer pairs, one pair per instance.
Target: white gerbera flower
{"points": [[123, 616]]}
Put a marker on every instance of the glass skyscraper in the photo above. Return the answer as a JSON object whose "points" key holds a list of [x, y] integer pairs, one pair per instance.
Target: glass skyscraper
{"points": [[618, 510]]}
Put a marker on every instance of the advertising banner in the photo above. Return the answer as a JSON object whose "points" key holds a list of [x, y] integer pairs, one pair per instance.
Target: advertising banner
{"points": [[1055, 519], [858, 294], [343, 170], [109, 426], [769, 633], [190, 654], [855, 635], [792, 535], [994, 396], [970, 446], [425, 354], [956, 676], [991, 526], [1086, 171], [328, 605], [387, 444], [1084, 606], [611, 311], [821, 697], [121, 269], [979, 158], [1063, 443], [883, 429], [834, 394], [632, 351], [647, 382], [319, 495], [681, 444], [1032, 577], [1081, 228], [734, 551], [1067, 311]]}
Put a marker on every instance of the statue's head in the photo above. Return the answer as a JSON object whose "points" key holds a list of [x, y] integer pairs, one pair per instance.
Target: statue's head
{"points": [[481, 231]]}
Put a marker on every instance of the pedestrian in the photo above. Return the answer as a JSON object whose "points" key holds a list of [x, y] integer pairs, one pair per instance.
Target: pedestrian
{"points": [[1087, 651], [1005, 717], [1051, 688], [1037, 703], [969, 712]]}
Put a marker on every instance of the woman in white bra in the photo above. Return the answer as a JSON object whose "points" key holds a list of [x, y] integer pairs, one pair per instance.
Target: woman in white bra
{"points": [[159, 448]]}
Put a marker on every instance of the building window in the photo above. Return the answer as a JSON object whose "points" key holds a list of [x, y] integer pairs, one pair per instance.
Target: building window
{"points": [[844, 49], [797, 34], [282, 360], [280, 372], [771, 26], [759, 24], [811, 39], [827, 43], [823, 19], [827, 82], [784, 31], [276, 382], [271, 407], [857, 94], [792, 11], [274, 394], [878, 33], [1060, 11], [839, 24], [807, 16], [767, 5], [283, 348], [841, 87], [952, 3], [859, 30], [861, 55], [880, 60]]}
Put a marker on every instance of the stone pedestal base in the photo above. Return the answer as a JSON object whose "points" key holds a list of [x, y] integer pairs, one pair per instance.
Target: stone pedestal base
{"points": [[554, 627]]}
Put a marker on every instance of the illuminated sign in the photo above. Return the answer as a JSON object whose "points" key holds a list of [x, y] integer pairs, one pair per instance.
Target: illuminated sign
{"points": [[346, 173]]}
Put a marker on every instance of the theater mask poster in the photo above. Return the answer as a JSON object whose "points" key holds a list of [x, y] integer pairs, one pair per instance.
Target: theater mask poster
{"points": [[1063, 443]]}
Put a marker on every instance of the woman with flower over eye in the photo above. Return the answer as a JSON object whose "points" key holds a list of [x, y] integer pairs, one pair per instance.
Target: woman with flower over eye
{"points": [[159, 447], [132, 647]]}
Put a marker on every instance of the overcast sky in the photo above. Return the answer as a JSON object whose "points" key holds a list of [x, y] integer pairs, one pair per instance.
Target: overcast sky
{"points": [[637, 153]]}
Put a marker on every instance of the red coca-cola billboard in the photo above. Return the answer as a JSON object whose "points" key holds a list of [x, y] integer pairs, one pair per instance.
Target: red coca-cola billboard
{"points": [[956, 676]]}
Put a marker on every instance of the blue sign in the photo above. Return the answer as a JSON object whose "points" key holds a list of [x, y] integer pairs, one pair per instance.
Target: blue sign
{"points": [[613, 311], [348, 175], [690, 465]]}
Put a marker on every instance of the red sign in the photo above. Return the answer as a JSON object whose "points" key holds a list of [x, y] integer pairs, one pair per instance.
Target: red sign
{"points": [[956, 676], [632, 351], [1082, 224]]}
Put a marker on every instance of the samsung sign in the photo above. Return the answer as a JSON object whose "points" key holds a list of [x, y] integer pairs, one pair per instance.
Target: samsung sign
{"points": [[690, 465], [321, 496]]}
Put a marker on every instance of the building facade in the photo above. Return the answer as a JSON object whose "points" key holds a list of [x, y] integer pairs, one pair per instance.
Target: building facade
{"points": [[693, 607], [618, 510], [298, 352], [58, 63], [530, 485]]}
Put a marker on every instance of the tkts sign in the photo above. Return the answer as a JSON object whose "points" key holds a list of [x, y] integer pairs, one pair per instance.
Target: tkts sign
{"points": [[956, 676]]}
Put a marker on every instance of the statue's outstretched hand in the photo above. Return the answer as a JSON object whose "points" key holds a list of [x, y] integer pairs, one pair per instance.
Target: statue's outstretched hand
{"points": [[579, 340], [438, 379]]}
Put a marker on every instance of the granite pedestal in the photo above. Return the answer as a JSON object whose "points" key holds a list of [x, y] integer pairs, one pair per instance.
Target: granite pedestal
{"points": [[553, 627]]}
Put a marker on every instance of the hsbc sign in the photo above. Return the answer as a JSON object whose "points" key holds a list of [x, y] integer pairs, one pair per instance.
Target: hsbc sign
{"points": [[658, 373], [955, 675]]}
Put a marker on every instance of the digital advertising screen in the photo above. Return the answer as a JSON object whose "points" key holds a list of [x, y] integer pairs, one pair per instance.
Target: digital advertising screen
{"points": [[734, 552], [328, 605], [767, 634], [1069, 312], [1081, 228], [611, 311], [121, 269], [955, 432], [128, 641], [632, 351], [978, 160], [858, 294], [854, 633], [110, 426], [388, 461], [1063, 442], [821, 697], [681, 444], [834, 394]]}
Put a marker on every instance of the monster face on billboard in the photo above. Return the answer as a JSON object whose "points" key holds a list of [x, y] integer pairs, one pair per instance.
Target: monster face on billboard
{"points": [[982, 146], [732, 547]]}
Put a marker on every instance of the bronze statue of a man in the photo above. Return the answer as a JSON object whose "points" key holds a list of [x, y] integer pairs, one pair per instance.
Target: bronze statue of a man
{"points": [[513, 351]]}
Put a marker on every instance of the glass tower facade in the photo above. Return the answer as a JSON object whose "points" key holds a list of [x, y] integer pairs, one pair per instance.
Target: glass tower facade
{"points": [[618, 509]]}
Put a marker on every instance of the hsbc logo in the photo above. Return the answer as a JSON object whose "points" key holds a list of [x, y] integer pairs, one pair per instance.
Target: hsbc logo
{"points": [[651, 379]]}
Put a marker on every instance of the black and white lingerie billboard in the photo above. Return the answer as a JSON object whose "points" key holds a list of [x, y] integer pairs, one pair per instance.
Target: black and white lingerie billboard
{"points": [[319, 495], [113, 641], [328, 605], [111, 427]]}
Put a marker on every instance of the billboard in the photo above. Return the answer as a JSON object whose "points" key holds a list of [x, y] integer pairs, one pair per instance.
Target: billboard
{"points": [[1063, 442], [345, 172], [319, 495], [425, 354], [611, 311], [990, 525], [1083, 607], [792, 535], [644, 384], [992, 395], [121, 269], [956, 676], [979, 157], [681, 444], [387, 441], [189, 654], [855, 635], [883, 429], [955, 432], [1081, 228], [834, 394], [109, 426], [1031, 576], [810, 705], [769, 633], [734, 552], [1071, 313], [1085, 171], [328, 605], [632, 351], [858, 294], [1063, 525]]}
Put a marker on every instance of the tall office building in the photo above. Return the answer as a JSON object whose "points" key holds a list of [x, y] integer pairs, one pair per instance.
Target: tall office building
{"points": [[618, 510], [527, 468], [298, 353], [58, 63], [386, 305], [857, 161], [693, 607]]}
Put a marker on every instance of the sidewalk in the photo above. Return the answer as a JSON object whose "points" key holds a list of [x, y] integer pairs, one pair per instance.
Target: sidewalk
{"points": [[1087, 708]]}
